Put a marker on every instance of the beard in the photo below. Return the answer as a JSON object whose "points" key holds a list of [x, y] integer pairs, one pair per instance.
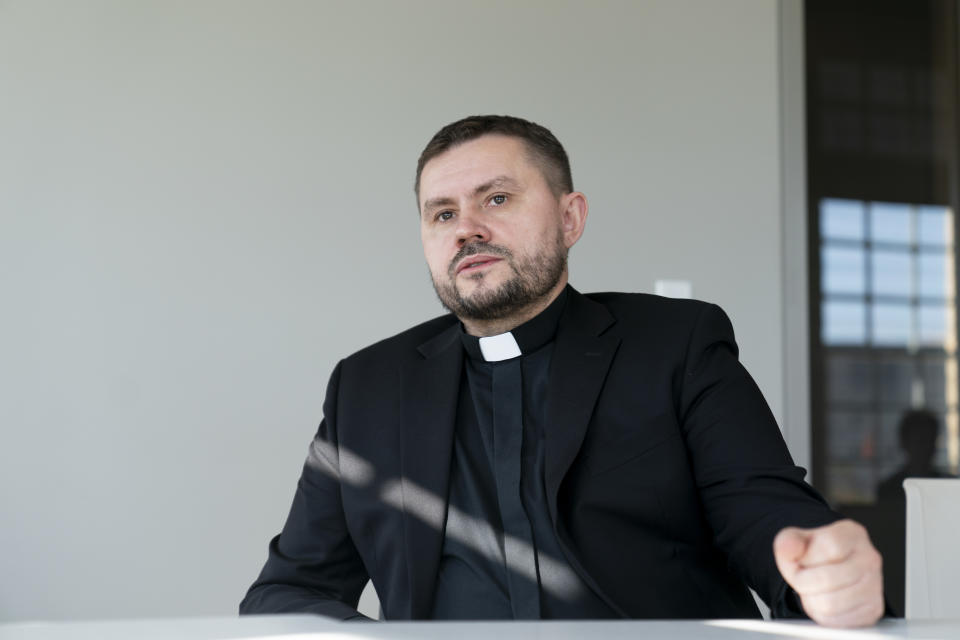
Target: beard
{"points": [[533, 278]]}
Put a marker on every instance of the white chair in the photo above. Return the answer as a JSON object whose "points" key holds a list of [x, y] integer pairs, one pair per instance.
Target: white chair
{"points": [[933, 548]]}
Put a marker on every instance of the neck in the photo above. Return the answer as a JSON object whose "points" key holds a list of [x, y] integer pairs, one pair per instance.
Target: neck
{"points": [[485, 328], [919, 466]]}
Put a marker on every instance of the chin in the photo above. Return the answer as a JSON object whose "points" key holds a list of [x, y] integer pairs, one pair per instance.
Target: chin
{"points": [[477, 287]]}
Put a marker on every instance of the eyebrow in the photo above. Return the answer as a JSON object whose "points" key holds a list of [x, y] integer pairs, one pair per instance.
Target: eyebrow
{"points": [[494, 183]]}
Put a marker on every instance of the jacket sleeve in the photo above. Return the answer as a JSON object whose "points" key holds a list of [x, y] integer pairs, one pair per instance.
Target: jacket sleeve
{"points": [[748, 484], [313, 565]]}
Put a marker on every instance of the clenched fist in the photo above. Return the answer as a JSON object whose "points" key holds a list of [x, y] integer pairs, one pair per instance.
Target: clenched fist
{"points": [[835, 570]]}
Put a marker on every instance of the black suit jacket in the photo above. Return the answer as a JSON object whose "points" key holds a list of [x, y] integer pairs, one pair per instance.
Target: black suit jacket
{"points": [[666, 474]]}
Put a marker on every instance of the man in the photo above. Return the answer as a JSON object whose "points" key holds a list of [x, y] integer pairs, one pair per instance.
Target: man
{"points": [[540, 453]]}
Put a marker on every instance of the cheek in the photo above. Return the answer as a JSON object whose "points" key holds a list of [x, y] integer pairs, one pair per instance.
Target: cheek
{"points": [[534, 238], [434, 256]]}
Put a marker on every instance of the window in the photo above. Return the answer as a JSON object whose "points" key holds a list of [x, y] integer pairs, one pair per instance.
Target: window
{"points": [[883, 171], [888, 336]]}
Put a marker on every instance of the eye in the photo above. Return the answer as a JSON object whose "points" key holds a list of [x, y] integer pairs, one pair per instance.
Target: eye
{"points": [[497, 200], [443, 216]]}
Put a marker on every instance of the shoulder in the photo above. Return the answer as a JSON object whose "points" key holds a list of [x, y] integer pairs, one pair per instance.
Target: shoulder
{"points": [[646, 303], [649, 308], [680, 322], [403, 345]]}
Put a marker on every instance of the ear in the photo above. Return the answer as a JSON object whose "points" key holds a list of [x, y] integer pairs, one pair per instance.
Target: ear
{"points": [[573, 216]]}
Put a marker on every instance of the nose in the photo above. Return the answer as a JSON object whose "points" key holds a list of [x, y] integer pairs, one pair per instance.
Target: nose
{"points": [[471, 228]]}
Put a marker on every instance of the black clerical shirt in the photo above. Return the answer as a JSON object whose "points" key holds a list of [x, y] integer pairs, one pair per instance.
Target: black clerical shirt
{"points": [[501, 558]]}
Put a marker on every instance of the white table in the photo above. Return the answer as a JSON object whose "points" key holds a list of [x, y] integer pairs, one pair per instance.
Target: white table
{"points": [[300, 627]]}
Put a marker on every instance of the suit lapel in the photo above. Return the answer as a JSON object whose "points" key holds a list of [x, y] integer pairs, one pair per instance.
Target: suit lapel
{"points": [[581, 358], [431, 388]]}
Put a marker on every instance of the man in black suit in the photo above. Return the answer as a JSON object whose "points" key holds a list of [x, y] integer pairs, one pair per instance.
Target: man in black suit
{"points": [[539, 453]]}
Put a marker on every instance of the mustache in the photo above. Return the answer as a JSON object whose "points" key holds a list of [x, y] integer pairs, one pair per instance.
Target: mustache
{"points": [[474, 248]]}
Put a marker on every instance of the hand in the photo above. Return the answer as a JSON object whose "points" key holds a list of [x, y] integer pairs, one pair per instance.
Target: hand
{"points": [[835, 570]]}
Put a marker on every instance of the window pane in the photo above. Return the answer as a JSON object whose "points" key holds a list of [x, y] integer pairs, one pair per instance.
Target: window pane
{"points": [[849, 379], [851, 484], [850, 436], [934, 373], [894, 381], [843, 322], [933, 325], [890, 273], [934, 226], [889, 454], [891, 324], [941, 459], [933, 275], [890, 222], [951, 388], [842, 270], [841, 219]]}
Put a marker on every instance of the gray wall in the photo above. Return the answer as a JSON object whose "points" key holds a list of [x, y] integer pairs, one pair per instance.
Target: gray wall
{"points": [[203, 205]]}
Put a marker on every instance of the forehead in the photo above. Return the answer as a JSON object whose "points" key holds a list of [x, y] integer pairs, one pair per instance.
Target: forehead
{"points": [[465, 166]]}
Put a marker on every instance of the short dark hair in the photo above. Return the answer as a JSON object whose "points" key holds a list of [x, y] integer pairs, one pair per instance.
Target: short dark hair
{"points": [[542, 145]]}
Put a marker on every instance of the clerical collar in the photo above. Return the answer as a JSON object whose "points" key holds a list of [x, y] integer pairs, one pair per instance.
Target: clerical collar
{"points": [[527, 338]]}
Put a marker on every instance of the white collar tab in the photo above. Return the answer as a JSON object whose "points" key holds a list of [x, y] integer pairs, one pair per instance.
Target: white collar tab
{"points": [[499, 347]]}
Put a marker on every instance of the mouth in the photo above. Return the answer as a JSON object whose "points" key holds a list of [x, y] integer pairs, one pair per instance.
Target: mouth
{"points": [[476, 263]]}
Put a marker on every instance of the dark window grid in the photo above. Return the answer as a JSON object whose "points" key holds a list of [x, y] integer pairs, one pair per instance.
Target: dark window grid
{"points": [[877, 465], [886, 454], [876, 407], [852, 350], [925, 354], [888, 298], [875, 440], [912, 352], [851, 465], [882, 245], [864, 407], [845, 464], [876, 358], [857, 467], [868, 276], [854, 465], [819, 49]]}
